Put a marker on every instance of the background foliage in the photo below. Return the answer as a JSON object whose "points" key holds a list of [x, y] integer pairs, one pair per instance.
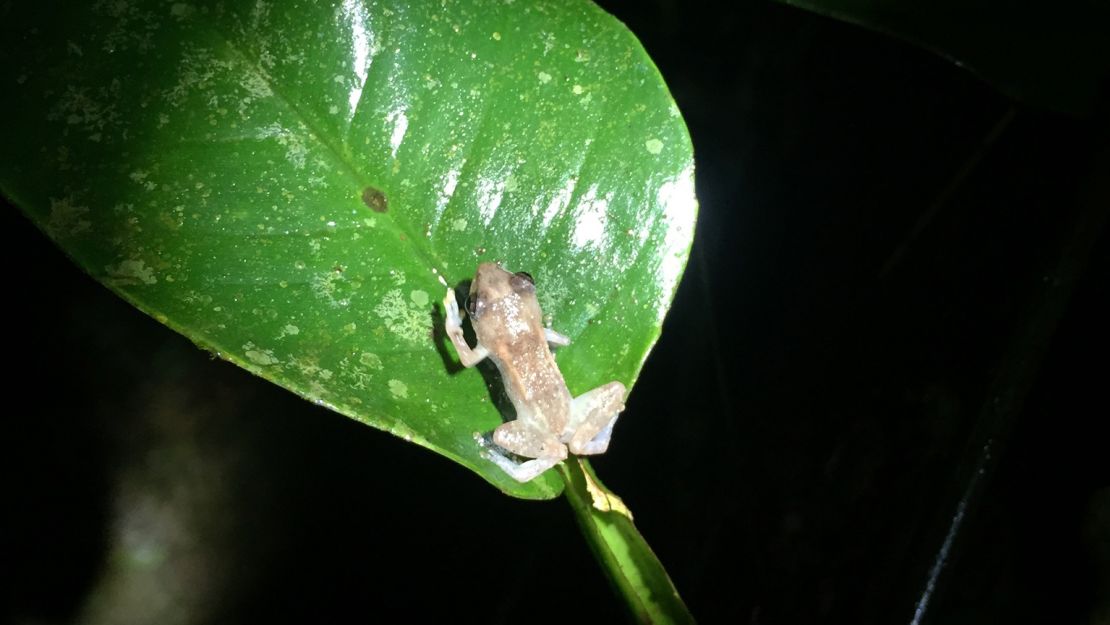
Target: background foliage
{"points": [[801, 440]]}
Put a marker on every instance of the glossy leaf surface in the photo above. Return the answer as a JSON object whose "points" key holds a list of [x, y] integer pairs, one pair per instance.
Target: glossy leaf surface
{"points": [[294, 185]]}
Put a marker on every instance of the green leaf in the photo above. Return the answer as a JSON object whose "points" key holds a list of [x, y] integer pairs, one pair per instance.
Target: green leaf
{"points": [[294, 185], [1051, 54], [634, 570]]}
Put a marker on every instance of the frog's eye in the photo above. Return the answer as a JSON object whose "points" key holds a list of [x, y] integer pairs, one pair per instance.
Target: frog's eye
{"points": [[522, 282], [473, 306]]}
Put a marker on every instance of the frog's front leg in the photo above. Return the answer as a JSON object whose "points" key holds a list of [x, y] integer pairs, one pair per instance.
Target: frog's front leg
{"points": [[453, 325], [556, 339], [592, 416]]}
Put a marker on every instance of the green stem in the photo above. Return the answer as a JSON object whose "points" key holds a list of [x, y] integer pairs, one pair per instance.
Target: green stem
{"points": [[637, 575]]}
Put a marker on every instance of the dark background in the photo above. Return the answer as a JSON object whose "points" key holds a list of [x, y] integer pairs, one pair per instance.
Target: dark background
{"points": [[883, 379]]}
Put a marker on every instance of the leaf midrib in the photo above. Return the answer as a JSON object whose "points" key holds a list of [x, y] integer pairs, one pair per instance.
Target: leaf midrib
{"points": [[317, 135]]}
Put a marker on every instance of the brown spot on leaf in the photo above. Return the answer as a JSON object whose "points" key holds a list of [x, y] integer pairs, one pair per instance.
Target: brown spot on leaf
{"points": [[375, 199]]}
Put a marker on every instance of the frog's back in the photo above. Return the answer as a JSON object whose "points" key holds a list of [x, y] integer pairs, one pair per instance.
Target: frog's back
{"points": [[510, 326], [533, 381]]}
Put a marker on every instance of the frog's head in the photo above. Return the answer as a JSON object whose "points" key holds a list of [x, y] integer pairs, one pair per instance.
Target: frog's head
{"points": [[492, 284]]}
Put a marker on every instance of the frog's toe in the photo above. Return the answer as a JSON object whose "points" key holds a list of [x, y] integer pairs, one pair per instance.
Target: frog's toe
{"points": [[598, 444]]}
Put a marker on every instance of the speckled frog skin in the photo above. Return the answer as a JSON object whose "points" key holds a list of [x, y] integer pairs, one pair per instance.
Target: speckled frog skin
{"points": [[509, 327]]}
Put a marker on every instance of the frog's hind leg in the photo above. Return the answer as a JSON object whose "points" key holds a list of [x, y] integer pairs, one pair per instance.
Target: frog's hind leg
{"points": [[520, 471], [592, 416], [514, 436]]}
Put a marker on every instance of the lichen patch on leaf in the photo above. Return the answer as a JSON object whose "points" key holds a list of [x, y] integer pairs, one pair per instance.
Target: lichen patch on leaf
{"points": [[66, 218], [399, 389], [408, 320], [259, 356], [129, 272]]}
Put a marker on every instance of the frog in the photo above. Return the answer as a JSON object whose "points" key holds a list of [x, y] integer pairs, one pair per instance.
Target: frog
{"points": [[508, 324]]}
